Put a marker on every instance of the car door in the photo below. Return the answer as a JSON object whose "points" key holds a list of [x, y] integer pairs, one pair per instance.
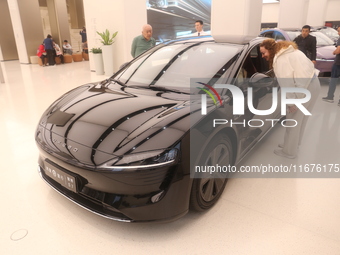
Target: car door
{"points": [[255, 125]]}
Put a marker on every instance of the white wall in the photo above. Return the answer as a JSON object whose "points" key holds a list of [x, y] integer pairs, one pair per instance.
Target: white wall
{"points": [[270, 13], [18, 31], [45, 21], [125, 16], [332, 10]]}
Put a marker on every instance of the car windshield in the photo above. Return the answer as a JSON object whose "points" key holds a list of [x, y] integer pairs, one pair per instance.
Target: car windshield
{"points": [[321, 39], [173, 65]]}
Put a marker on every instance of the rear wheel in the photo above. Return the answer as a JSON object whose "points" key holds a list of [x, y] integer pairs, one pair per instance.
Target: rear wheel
{"points": [[207, 188]]}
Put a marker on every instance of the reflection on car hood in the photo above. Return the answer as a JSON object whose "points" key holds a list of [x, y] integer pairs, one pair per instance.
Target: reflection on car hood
{"points": [[326, 52], [91, 125]]}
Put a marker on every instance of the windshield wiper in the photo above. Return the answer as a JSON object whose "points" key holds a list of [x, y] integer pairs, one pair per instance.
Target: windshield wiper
{"points": [[118, 81], [166, 89]]}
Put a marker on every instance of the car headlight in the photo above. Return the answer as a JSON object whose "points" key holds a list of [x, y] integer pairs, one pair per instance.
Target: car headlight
{"points": [[150, 159]]}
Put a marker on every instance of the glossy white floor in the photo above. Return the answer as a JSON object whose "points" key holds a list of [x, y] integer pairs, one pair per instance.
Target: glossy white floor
{"points": [[253, 216]]}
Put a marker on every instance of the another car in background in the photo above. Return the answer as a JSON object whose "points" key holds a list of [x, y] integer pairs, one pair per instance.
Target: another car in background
{"points": [[329, 31], [325, 46]]}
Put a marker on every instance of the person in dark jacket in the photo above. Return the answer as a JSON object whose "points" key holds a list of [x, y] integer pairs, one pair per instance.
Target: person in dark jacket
{"points": [[307, 43], [335, 74], [83, 35], [48, 43]]}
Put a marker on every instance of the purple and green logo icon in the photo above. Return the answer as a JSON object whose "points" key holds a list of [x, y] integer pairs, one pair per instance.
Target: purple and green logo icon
{"points": [[204, 96]]}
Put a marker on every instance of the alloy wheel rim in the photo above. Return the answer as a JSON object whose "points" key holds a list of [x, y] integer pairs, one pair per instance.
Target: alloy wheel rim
{"points": [[211, 186]]}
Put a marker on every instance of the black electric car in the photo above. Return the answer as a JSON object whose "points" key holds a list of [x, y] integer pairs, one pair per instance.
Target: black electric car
{"points": [[121, 148]]}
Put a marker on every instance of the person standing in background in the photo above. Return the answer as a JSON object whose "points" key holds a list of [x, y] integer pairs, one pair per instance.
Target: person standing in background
{"points": [[199, 28], [142, 42], [83, 40], [335, 74], [83, 35], [48, 43], [307, 43]]}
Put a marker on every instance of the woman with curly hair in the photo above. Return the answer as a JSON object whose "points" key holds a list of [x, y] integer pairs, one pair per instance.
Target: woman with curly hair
{"points": [[292, 69]]}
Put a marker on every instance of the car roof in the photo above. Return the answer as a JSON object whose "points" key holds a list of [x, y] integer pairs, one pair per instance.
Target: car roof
{"points": [[232, 39], [283, 29]]}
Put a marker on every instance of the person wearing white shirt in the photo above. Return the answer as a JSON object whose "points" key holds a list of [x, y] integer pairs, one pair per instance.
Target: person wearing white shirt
{"points": [[67, 48], [199, 28], [58, 52]]}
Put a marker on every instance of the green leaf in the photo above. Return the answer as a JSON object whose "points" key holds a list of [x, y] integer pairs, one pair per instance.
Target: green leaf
{"points": [[107, 39], [96, 50]]}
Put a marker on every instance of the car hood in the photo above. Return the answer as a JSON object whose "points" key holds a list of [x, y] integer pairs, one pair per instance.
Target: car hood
{"points": [[93, 124], [325, 52]]}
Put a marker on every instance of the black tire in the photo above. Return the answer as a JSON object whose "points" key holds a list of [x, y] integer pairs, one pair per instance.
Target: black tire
{"points": [[207, 189]]}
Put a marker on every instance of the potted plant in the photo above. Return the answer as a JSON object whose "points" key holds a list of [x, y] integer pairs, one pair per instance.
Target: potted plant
{"points": [[98, 60], [107, 39]]}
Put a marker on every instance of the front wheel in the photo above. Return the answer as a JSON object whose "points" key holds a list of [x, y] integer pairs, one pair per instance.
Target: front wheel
{"points": [[207, 189]]}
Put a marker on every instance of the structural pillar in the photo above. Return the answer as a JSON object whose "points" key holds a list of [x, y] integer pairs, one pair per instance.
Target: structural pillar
{"points": [[316, 12], [293, 13], [8, 48], [2, 79], [125, 16], [76, 9], [57, 12], [240, 18], [27, 27]]}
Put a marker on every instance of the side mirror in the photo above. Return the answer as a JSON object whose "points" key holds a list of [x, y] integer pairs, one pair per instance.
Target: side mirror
{"points": [[260, 80]]}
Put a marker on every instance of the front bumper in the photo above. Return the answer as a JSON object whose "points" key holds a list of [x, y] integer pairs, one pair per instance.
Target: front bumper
{"points": [[134, 196]]}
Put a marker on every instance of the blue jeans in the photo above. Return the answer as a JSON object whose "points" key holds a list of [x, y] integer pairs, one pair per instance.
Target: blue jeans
{"points": [[334, 79]]}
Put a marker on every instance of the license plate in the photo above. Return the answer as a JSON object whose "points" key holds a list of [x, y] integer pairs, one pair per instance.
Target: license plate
{"points": [[66, 180]]}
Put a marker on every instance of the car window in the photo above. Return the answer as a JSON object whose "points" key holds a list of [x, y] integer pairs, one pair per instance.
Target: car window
{"points": [[279, 36], [268, 34], [253, 63], [148, 66], [174, 65], [274, 34]]}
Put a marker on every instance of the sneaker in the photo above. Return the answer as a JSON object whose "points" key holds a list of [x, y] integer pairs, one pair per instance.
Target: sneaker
{"points": [[282, 154], [328, 99]]}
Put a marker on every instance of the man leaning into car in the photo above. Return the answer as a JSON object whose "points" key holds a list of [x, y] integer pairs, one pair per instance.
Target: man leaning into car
{"points": [[307, 43], [143, 42]]}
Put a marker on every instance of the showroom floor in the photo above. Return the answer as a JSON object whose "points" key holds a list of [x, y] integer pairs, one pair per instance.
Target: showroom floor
{"points": [[253, 216]]}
